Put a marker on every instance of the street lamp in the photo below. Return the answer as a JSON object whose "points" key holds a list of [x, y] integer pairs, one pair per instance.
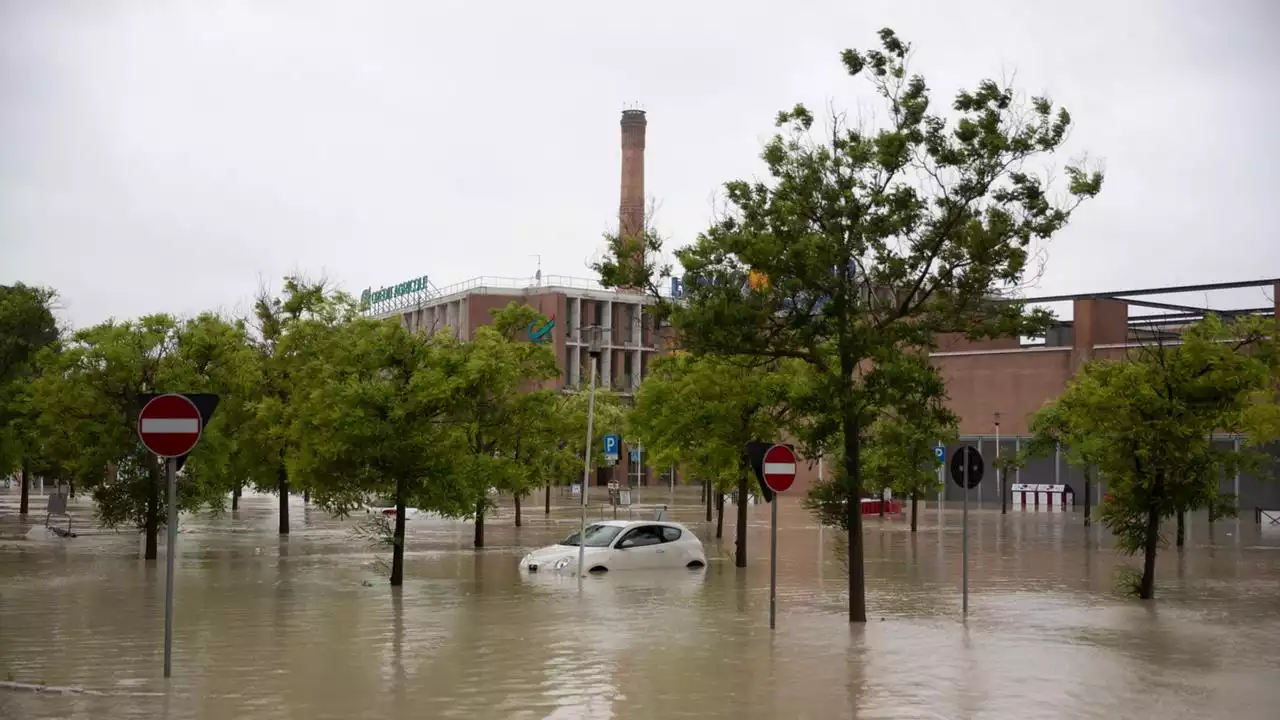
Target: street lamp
{"points": [[592, 338], [1004, 508]]}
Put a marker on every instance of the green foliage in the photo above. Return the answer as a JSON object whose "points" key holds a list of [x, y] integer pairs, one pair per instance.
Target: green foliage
{"points": [[700, 413], [291, 334], [1145, 424], [88, 398], [27, 327], [497, 405], [370, 418], [864, 243]]}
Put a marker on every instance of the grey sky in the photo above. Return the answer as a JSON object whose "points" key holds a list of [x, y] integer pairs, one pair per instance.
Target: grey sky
{"points": [[169, 156]]}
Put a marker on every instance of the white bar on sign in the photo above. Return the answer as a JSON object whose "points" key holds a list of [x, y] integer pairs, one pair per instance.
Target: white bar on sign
{"points": [[170, 425], [779, 468]]}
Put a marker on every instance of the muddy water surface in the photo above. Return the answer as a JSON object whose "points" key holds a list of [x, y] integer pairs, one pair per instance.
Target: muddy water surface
{"points": [[303, 627]]}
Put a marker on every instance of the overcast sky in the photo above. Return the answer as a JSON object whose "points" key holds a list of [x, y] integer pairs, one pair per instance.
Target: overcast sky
{"points": [[170, 156]]}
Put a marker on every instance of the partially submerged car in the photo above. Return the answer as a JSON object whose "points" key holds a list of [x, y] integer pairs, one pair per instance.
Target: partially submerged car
{"points": [[622, 545]]}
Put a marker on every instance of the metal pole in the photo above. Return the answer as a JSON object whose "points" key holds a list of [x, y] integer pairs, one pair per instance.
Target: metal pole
{"points": [[172, 529], [965, 553], [773, 559], [999, 470], [586, 473]]}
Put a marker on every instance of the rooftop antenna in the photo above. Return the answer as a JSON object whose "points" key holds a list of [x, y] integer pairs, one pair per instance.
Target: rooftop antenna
{"points": [[537, 276]]}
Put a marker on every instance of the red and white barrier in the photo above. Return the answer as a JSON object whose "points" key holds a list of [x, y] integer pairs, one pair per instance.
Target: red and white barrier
{"points": [[1042, 498]]}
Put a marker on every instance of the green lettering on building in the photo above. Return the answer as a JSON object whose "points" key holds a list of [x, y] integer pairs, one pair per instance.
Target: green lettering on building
{"points": [[372, 297]]}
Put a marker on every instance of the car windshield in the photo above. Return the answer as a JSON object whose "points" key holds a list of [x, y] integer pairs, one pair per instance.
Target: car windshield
{"points": [[597, 536]]}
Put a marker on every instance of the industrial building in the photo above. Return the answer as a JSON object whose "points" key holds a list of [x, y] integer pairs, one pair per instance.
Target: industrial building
{"points": [[994, 386]]}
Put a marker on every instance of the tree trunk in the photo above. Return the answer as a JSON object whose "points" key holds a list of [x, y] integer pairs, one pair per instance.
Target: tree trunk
{"points": [[547, 509], [852, 447], [397, 538], [235, 498], [1147, 590], [1088, 500], [306, 496], [479, 536], [24, 504], [915, 501], [151, 523], [709, 494], [740, 554], [719, 515], [282, 488], [882, 504], [518, 519], [1182, 528]]}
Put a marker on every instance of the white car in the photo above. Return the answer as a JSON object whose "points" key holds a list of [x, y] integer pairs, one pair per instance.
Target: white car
{"points": [[622, 545]]}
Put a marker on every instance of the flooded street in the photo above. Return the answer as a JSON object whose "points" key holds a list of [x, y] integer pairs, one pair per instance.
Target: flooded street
{"points": [[304, 627]]}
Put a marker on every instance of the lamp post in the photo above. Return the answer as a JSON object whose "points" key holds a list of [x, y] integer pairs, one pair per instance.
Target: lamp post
{"points": [[1004, 508], [593, 350]]}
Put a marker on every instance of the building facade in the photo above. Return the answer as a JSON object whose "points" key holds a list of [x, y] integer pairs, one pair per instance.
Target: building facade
{"points": [[628, 340]]}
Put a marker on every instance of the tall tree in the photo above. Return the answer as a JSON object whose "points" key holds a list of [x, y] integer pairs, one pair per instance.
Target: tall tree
{"points": [[702, 411], [275, 319], [1146, 423], [865, 242], [27, 326], [372, 418], [497, 371]]}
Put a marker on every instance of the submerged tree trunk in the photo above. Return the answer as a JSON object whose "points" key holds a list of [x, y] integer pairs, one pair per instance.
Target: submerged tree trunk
{"points": [[397, 538], [1088, 497], [235, 498], [282, 487], [24, 505], [1182, 528], [740, 554], [915, 501], [479, 536], [518, 519], [852, 446], [707, 483], [151, 523], [719, 515], [1147, 589], [547, 509]]}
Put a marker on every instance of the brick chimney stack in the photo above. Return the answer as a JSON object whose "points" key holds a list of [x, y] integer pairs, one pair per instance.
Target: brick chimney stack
{"points": [[631, 208]]}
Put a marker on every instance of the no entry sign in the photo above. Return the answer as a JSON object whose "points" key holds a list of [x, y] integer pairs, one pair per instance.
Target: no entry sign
{"points": [[170, 425], [779, 468]]}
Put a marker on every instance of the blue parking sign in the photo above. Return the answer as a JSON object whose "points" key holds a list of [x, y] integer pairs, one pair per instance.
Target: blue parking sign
{"points": [[940, 452], [611, 444]]}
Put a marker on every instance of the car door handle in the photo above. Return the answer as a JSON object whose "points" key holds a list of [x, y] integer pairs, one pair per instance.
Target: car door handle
{"points": [[660, 550]]}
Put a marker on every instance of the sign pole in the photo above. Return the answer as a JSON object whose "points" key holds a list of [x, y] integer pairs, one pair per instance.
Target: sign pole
{"points": [[586, 474], [773, 562], [965, 543], [172, 528]]}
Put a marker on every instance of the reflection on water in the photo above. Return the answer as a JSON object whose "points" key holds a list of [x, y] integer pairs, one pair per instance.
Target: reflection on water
{"points": [[301, 627]]}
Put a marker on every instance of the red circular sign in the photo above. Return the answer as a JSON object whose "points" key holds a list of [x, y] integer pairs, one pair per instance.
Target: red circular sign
{"points": [[779, 468], [169, 425]]}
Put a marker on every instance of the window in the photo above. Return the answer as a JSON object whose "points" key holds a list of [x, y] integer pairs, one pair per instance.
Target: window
{"points": [[670, 534], [642, 536], [597, 536]]}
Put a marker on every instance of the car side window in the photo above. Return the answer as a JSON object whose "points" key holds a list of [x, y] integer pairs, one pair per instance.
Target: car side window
{"points": [[670, 534], [641, 536]]}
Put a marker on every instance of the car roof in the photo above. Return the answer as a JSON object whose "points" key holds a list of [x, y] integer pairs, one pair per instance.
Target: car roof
{"points": [[634, 523]]}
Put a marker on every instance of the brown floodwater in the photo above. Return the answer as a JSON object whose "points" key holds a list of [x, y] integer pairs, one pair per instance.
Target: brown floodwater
{"points": [[304, 627]]}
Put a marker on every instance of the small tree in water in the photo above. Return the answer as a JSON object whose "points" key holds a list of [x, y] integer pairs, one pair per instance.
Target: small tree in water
{"points": [[1146, 424]]}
